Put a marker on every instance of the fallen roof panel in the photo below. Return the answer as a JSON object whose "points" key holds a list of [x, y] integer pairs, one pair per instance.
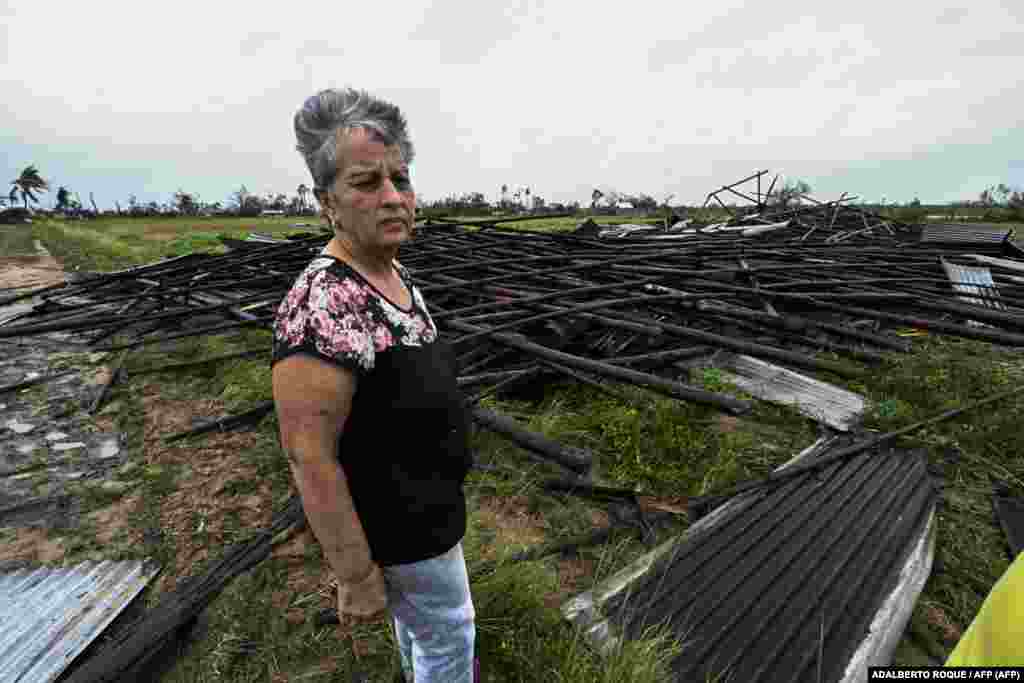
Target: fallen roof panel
{"points": [[818, 400], [975, 281], [965, 233], [800, 584], [49, 615]]}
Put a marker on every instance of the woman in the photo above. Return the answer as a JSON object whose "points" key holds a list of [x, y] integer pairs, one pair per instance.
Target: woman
{"points": [[371, 417]]}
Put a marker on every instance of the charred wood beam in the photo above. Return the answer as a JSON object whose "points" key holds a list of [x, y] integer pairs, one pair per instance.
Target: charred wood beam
{"points": [[574, 459], [530, 373], [224, 424], [659, 384], [25, 384], [661, 357], [106, 321], [580, 377], [997, 336], [469, 380], [105, 387], [702, 504], [980, 313], [260, 322]]}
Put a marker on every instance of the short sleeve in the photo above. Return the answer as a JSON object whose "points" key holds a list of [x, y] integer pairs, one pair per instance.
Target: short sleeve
{"points": [[326, 316]]}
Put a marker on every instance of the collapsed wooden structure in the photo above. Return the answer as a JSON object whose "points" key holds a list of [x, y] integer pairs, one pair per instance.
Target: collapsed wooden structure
{"points": [[779, 299]]}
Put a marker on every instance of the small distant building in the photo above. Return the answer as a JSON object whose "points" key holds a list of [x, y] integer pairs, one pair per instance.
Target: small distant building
{"points": [[625, 209]]}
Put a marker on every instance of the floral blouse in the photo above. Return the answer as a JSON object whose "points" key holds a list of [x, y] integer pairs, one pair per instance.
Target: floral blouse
{"points": [[406, 483], [334, 312]]}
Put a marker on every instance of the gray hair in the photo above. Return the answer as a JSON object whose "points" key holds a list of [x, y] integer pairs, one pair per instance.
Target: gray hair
{"points": [[321, 117]]}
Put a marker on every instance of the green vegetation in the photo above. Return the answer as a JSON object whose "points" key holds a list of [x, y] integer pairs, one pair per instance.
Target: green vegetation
{"points": [[111, 243], [663, 447], [27, 184], [16, 240]]}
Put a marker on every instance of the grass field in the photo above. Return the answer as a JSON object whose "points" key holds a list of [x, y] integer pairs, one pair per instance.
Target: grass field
{"points": [[190, 498]]}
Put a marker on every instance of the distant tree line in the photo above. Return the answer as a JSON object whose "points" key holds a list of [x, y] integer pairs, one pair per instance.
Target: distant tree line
{"points": [[998, 202], [29, 186]]}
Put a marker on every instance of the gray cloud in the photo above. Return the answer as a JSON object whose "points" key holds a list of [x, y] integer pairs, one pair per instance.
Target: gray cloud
{"points": [[257, 41], [317, 47], [875, 97]]}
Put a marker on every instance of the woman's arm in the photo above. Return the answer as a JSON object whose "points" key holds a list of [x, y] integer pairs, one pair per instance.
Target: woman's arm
{"points": [[313, 399]]}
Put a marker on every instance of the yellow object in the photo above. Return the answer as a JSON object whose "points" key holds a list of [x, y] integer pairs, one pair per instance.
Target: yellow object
{"points": [[996, 636]]}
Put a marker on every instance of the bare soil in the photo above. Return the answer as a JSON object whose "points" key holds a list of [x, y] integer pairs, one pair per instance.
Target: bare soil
{"points": [[30, 271]]}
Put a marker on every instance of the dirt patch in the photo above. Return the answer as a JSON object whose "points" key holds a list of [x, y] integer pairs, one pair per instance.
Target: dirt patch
{"points": [[728, 424], [195, 515], [30, 271], [114, 519], [31, 545], [575, 575], [942, 624], [514, 525]]}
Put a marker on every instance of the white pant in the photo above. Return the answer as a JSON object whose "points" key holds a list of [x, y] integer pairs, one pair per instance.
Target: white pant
{"points": [[433, 617]]}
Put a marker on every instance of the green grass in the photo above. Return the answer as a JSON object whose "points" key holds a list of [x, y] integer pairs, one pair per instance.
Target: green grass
{"points": [[661, 446], [970, 453], [16, 239], [113, 243]]}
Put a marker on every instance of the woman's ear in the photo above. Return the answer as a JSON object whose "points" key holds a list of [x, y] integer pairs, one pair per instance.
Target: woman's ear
{"points": [[323, 198]]}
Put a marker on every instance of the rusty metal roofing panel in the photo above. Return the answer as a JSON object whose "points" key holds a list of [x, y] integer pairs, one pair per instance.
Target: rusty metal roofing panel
{"points": [[965, 233], [818, 400], [976, 281], [49, 615]]}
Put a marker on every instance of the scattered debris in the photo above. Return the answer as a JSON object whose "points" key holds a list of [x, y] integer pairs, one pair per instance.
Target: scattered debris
{"points": [[50, 615], [1010, 513], [763, 296], [794, 585], [144, 637], [826, 403]]}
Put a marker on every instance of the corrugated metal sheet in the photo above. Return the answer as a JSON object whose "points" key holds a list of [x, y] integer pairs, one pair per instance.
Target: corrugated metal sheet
{"points": [[965, 233], [586, 610], [818, 400], [628, 229], [49, 615], [998, 262], [982, 287], [812, 581], [759, 229]]}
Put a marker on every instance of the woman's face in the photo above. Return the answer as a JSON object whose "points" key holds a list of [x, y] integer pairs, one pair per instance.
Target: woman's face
{"points": [[371, 201]]}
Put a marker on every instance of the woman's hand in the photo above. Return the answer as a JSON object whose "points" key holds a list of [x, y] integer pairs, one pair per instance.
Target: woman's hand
{"points": [[363, 600]]}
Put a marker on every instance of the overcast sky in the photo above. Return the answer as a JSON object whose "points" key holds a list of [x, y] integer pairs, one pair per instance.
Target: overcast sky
{"points": [[879, 99]]}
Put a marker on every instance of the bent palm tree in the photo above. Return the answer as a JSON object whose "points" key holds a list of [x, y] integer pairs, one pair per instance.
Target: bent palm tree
{"points": [[62, 198], [27, 182]]}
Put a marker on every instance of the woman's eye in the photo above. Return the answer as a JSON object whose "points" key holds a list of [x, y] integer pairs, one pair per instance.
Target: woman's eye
{"points": [[402, 182]]}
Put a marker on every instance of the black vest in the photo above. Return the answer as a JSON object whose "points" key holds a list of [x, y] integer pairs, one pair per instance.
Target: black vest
{"points": [[405, 453]]}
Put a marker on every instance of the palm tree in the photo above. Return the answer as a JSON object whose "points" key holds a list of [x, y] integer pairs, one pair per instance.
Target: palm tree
{"points": [[62, 198], [303, 191], [27, 182]]}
